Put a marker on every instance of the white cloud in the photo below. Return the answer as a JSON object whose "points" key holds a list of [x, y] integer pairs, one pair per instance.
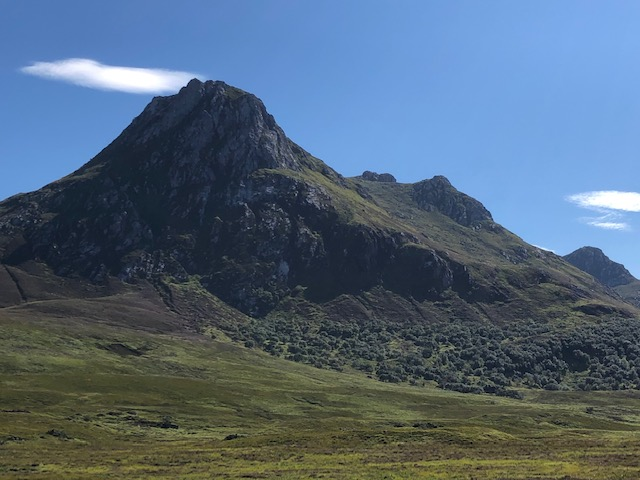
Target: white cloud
{"points": [[609, 225], [608, 199], [92, 74], [611, 205]]}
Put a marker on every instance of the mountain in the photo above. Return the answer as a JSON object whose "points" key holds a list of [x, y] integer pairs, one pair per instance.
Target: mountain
{"points": [[243, 233], [593, 261]]}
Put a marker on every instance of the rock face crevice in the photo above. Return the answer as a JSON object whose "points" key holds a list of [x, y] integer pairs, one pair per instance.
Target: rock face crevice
{"points": [[20, 291]]}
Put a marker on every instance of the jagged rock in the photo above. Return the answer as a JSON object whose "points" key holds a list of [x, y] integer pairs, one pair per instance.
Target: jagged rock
{"points": [[439, 195]]}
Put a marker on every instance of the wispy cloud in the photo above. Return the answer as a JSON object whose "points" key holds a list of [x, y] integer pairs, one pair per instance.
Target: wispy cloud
{"points": [[611, 205], [609, 199], [608, 225], [92, 74]]}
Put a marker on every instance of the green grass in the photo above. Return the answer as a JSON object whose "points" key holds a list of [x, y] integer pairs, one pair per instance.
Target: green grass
{"points": [[630, 292], [291, 420]]}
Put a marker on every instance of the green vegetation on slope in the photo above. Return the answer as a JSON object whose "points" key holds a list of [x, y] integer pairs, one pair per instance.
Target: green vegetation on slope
{"points": [[102, 395], [455, 354]]}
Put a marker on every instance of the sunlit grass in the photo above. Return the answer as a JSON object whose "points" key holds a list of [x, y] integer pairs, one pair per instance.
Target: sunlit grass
{"points": [[245, 414]]}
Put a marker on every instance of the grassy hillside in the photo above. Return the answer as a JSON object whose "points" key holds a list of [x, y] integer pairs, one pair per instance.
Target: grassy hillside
{"points": [[109, 388], [630, 292]]}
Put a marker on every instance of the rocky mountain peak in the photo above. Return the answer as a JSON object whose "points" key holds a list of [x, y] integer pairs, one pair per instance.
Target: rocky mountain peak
{"points": [[205, 131], [161, 190], [593, 261]]}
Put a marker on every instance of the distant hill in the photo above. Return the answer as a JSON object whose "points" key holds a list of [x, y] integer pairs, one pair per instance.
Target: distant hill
{"points": [[593, 261], [241, 231]]}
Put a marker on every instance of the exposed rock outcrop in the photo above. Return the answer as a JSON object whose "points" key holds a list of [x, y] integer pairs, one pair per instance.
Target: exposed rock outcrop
{"points": [[438, 194], [378, 177]]}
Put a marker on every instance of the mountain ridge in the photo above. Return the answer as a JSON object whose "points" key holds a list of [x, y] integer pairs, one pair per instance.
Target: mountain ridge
{"points": [[239, 229]]}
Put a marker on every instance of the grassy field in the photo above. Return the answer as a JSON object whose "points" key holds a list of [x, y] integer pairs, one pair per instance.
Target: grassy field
{"points": [[94, 394]]}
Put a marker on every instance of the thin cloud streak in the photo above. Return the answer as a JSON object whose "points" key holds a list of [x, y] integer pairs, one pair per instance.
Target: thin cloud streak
{"points": [[92, 74], [609, 225], [608, 199]]}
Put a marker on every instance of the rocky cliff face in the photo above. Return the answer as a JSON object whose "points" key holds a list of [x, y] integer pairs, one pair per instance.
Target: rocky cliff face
{"points": [[438, 194], [205, 187], [593, 261]]}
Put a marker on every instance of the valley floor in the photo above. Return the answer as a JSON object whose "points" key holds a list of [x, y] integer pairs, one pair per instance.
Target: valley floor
{"points": [[86, 398]]}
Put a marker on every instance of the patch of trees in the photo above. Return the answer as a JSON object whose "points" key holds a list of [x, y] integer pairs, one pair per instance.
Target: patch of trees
{"points": [[459, 355]]}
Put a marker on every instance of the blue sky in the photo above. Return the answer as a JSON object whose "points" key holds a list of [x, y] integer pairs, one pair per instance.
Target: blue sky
{"points": [[532, 107]]}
